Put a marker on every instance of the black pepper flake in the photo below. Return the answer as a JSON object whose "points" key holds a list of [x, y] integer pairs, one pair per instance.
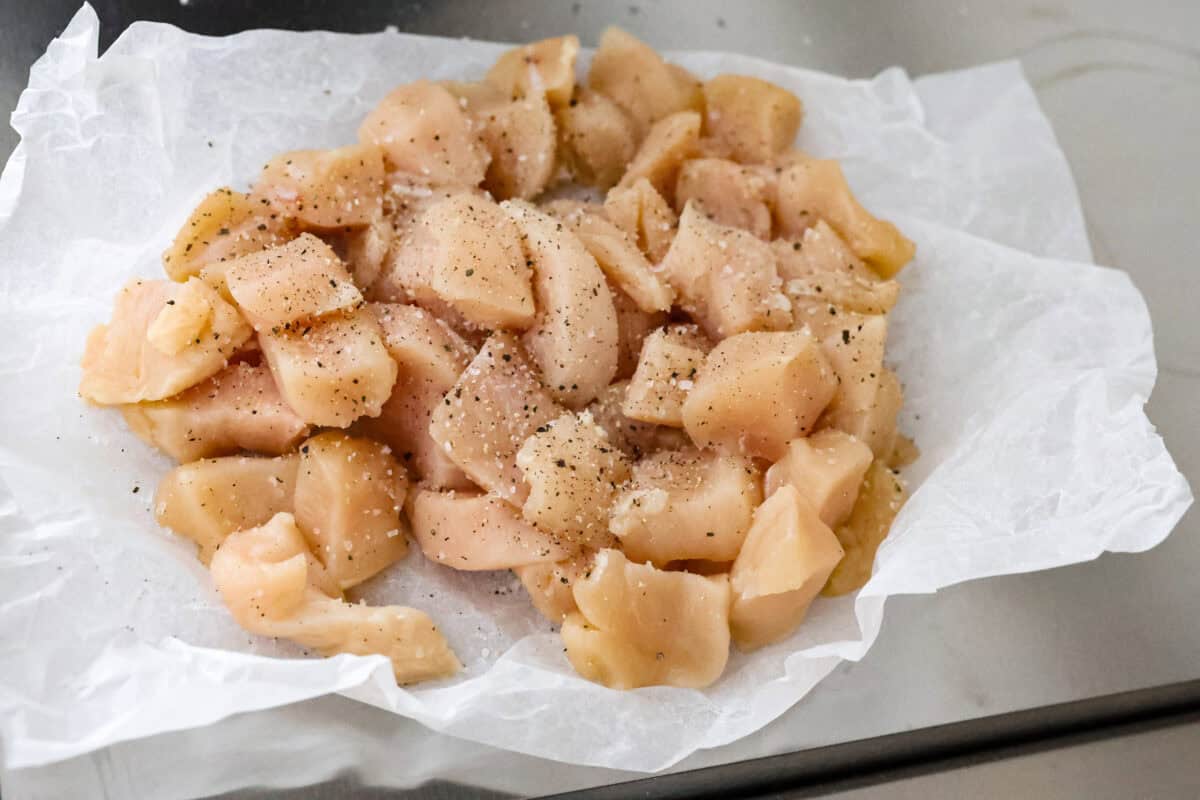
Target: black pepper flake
{"points": [[845, 336]]}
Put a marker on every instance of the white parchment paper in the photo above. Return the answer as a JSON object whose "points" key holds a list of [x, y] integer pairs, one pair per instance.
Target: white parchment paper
{"points": [[1025, 367]]}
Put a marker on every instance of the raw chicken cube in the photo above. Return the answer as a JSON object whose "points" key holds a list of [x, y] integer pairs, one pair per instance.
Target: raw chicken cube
{"points": [[364, 249], [596, 139], [874, 422], [725, 192], [472, 531], [639, 81], [574, 337], [496, 404], [619, 258], [349, 495], [521, 137], [640, 626], [644, 215], [333, 370], [423, 131], [632, 437], [879, 500], [573, 472], [686, 505], [845, 291], [545, 67], [207, 500], [549, 585], [758, 391], [814, 189], [750, 119], [725, 277], [465, 252], [633, 326], [786, 559], [121, 364], [273, 587], [430, 357], [476, 96], [669, 142], [182, 320], [867, 399], [298, 281], [226, 224], [666, 372], [239, 408], [827, 468], [325, 189], [818, 251]]}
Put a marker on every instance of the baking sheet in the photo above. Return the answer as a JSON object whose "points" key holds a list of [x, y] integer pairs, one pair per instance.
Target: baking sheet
{"points": [[1028, 375]]}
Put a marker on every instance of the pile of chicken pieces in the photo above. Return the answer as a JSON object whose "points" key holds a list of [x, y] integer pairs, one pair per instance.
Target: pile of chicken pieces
{"points": [[667, 412]]}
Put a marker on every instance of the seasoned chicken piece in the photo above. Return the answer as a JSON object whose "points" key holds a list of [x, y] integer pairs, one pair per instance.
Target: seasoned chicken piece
{"points": [[285, 285], [632, 437], [639, 81], [758, 391], [725, 192], [349, 495], [879, 500], [875, 422], [239, 408], [845, 291], [122, 364], [363, 249], [618, 257], [596, 139], [574, 337], [207, 500], [665, 373], [496, 404], [821, 269], [225, 225], [633, 326], [868, 396], [423, 131], [725, 277], [273, 586], [549, 584], [669, 142], [815, 189], [182, 320], [573, 472], [686, 505], [644, 215], [541, 68], [476, 96], [325, 189], [826, 468], [430, 357], [465, 252], [640, 626], [818, 251], [749, 119], [471, 531], [333, 370], [903, 453], [786, 559], [521, 138]]}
